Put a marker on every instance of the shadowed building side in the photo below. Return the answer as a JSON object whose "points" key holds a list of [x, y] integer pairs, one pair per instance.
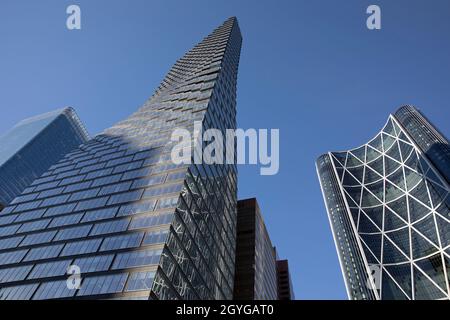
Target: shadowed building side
{"points": [[256, 274], [285, 287]]}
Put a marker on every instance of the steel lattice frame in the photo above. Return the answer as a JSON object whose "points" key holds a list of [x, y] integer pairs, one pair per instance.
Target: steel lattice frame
{"points": [[399, 208]]}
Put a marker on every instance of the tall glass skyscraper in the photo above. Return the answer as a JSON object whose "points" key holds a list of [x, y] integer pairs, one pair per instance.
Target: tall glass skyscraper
{"points": [[136, 225], [389, 208], [33, 145]]}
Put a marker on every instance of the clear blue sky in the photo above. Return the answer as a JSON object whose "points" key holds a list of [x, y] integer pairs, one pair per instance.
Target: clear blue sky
{"points": [[310, 68]]}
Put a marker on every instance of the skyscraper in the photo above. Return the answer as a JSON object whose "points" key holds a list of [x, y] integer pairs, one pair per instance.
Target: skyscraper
{"points": [[285, 287], [389, 208], [256, 271], [136, 224], [430, 141], [33, 145]]}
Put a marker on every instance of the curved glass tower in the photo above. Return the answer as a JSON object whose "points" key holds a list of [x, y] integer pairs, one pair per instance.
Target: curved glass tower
{"points": [[121, 215], [389, 208]]}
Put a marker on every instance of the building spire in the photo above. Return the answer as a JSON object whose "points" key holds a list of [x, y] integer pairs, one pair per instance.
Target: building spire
{"points": [[203, 57]]}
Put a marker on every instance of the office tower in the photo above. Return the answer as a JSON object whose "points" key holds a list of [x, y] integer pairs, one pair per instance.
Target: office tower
{"points": [[135, 223], [32, 146], [430, 141], [285, 287], [256, 274], [389, 209]]}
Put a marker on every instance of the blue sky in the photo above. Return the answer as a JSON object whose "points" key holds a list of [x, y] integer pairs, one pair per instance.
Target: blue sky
{"points": [[310, 68]]}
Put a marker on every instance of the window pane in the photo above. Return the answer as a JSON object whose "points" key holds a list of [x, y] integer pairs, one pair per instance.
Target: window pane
{"points": [[136, 259], [7, 231], [140, 281], [110, 227], [66, 220], [131, 209], [73, 233], [49, 269], [14, 274], [37, 238], [126, 197], [52, 290], [154, 237], [81, 247], [34, 226], [46, 252], [100, 214], [31, 215], [131, 240], [12, 257], [23, 292], [103, 284], [10, 242], [94, 264]]}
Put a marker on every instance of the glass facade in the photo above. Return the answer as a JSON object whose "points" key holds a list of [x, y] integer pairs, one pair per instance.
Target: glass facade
{"points": [[389, 209], [256, 270], [32, 146], [430, 141], [137, 225]]}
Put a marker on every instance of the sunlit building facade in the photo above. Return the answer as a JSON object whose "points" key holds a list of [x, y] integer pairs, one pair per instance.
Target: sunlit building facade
{"points": [[389, 208], [137, 225]]}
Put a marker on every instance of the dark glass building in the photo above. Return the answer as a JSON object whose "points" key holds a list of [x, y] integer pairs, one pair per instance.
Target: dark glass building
{"points": [[389, 208], [430, 141], [284, 281], [137, 225], [33, 145], [256, 273]]}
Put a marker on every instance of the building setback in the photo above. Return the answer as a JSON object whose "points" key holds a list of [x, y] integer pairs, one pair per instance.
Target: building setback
{"points": [[256, 273], [32, 146], [137, 225], [285, 288], [389, 208]]}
